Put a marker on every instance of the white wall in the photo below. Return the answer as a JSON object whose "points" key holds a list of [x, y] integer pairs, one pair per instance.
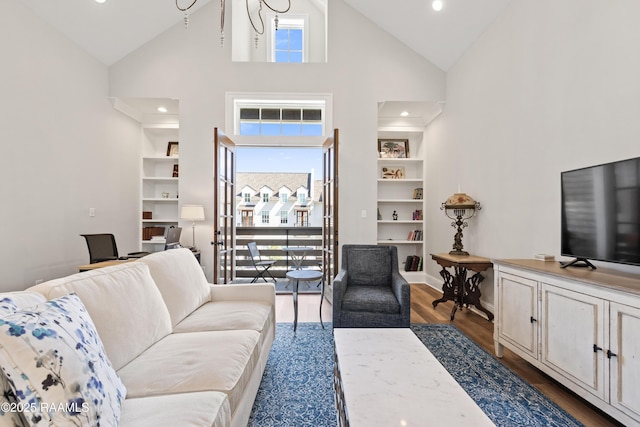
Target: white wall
{"points": [[64, 150], [365, 66], [551, 86]]}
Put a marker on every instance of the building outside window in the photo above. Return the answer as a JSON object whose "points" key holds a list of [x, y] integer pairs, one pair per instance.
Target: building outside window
{"points": [[265, 197], [246, 218], [291, 204], [247, 197], [302, 218]]}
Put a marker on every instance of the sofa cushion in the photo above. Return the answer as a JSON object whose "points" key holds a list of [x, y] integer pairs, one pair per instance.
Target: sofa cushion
{"points": [[202, 409], [54, 359], [227, 315], [124, 303], [369, 266], [196, 361], [181, 281], [372, 299]]}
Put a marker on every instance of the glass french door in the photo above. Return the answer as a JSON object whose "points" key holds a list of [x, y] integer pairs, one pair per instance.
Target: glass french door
{"points": [[330, 213], [224, 165]]}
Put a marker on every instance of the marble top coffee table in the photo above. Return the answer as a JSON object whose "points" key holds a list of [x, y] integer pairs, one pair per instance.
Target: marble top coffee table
{"points": [[387, 377]]}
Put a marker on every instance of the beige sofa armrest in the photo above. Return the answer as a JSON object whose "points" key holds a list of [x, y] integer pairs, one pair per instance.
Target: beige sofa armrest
{"points": [[264, 292]]}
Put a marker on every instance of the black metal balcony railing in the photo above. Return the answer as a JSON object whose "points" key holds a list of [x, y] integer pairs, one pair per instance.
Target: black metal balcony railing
{"points": [[270, 241]]}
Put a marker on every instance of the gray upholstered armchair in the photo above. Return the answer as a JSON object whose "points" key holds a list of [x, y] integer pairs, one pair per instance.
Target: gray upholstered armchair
{"points": [[369, 290]]}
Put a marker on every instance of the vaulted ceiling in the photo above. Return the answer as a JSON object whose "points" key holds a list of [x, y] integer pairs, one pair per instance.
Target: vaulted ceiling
{"points": [[111, 30]]}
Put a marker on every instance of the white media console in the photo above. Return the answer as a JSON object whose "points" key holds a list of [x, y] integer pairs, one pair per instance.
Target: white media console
{"points": [[580, 326]]}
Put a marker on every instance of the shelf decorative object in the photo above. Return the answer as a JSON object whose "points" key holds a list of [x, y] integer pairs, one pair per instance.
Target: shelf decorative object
{"points": [[393, 172], [459, 207], [172, 149], [393, 148]]}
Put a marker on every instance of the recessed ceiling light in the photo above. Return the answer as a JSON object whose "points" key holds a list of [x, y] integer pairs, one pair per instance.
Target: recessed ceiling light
{"points": [[404, 113], [100, 1], [437, 5], [162, 109]]}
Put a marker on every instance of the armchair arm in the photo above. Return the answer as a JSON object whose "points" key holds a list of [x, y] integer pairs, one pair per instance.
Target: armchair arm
{"points": [[402, 291], [339, 286]]}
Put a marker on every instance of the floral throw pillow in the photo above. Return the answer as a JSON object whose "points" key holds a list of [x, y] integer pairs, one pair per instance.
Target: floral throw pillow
{"points": [[56, 365], [9, 415]]}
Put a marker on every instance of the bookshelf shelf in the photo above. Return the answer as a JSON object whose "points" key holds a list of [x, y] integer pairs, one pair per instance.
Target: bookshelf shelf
{"points": [[400, 202]]}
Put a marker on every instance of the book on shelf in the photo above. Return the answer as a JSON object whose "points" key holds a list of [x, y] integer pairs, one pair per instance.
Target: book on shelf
{"points": [[415, 235], [413, 263], [417, 215]]}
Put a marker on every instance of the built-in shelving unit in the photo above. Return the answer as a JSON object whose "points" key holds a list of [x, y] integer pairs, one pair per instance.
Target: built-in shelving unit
{"points": [[400, 202], [160, 178]]}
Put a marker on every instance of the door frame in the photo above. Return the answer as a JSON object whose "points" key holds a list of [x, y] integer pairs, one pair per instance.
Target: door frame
{"points": [[224, 228]]}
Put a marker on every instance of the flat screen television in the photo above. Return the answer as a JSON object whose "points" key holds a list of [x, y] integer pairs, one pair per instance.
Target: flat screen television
{"points": [[601, 213]]}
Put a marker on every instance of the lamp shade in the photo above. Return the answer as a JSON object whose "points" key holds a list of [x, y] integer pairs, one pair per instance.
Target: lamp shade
{"points": [[460, 201], [192, 212]]}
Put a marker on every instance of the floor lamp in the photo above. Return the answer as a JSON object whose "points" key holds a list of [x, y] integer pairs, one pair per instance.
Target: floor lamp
{"points": [[192, 213]]}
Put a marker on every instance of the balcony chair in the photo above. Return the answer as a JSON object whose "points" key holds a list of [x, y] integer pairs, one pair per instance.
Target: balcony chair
{"points": [[102, 247], [262, 267], [369, 291]]}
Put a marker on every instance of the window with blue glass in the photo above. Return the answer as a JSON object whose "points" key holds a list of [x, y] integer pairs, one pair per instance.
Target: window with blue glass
{"points": [[281, 121], [289, 45]]}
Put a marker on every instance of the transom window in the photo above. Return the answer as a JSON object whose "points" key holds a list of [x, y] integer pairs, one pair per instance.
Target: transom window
{"points": [[273, 120], [300, 118]]}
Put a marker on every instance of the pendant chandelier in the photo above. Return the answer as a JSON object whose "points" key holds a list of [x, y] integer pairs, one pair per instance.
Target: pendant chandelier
{"points": [[257, 22]]}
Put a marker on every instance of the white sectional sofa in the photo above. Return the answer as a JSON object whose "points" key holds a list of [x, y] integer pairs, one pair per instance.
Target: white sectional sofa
{"points": [[188, 353]]}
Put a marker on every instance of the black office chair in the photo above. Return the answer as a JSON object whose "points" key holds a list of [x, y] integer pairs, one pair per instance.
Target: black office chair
{"points": [[102, 247], [262, 267]]}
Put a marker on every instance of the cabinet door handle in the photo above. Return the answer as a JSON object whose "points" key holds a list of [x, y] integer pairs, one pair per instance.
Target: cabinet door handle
{"points": [[611, 354], [532, 319], [596, 348]]}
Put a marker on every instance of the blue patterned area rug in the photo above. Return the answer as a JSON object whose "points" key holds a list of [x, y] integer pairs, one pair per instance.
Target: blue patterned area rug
{"points": [[505, 397], [297, 385]]}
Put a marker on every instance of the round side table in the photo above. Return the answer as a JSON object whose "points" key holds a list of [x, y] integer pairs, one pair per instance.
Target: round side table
{"points": [[305, 276]]}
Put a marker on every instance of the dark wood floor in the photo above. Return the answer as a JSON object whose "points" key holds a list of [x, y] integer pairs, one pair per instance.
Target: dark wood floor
{"points": [[481, 331]]}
